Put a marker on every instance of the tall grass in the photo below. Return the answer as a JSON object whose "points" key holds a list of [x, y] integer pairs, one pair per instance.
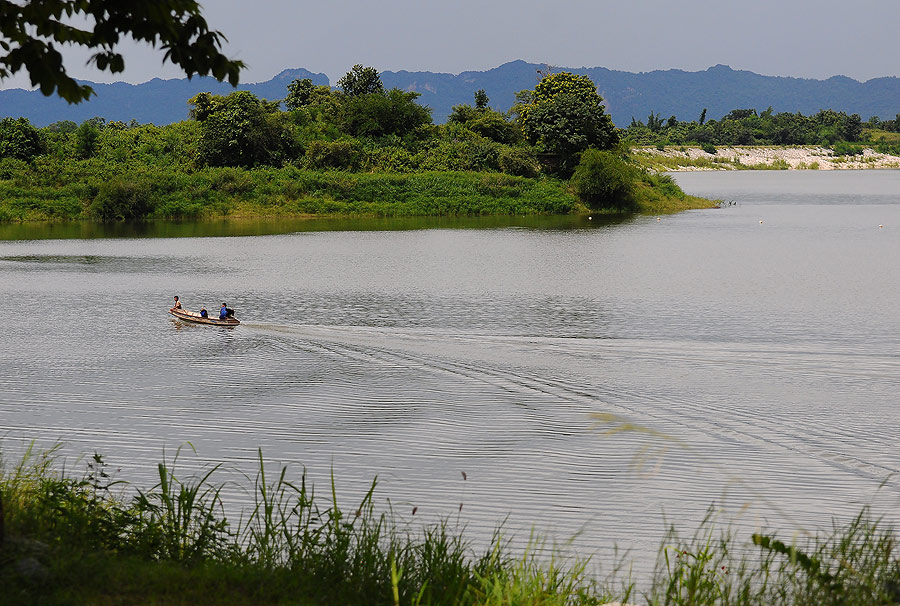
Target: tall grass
{"points": [[174, 544], [290, 547], [854, 564]]}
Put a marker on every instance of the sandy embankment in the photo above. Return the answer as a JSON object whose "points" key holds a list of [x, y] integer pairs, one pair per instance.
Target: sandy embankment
{"points": [[731, 158]]}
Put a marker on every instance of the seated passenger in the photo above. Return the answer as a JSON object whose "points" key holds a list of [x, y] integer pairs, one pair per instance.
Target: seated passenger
{"points": [[177, 303], [203, 313], [223, 312]]}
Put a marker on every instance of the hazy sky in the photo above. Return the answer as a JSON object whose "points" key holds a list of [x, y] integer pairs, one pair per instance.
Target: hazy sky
{"points": [[804, 38]]}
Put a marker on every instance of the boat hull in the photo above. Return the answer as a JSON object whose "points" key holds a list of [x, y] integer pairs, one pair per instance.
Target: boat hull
{"points": [[192, 316]]}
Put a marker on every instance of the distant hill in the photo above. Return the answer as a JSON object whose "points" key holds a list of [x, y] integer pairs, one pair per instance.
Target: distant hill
{"points": [[720, 89], [157, 101]]}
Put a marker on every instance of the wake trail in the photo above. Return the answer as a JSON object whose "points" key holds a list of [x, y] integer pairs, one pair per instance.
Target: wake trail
{"points": [[487, 360]]}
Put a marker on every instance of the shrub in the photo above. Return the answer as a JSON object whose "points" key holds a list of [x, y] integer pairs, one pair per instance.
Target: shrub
{"points": [[472, 154], [11, 168], [122, 200], [843, 148], [603, 180], [492, 125], [331, 154], [708, 148], [518, 161], [231, 181]]}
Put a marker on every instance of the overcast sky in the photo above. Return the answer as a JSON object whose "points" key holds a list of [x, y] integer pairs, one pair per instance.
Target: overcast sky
{"points": [[803, 38]]}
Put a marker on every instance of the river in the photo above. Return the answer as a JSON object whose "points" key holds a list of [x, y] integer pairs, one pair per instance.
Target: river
{"points": [[591, 380]]}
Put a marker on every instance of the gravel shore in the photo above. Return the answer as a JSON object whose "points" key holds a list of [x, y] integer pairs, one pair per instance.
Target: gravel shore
{"points": [[732, 158]]}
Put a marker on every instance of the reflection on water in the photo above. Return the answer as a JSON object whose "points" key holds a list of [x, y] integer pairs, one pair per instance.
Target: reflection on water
{"points": [[270, 226], [758, 362]]}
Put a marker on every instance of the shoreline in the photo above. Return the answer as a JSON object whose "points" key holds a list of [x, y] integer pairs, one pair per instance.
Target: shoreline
{"points": [[680, 158]]}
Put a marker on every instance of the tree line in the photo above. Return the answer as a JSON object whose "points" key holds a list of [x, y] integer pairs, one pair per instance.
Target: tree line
{"points": [[749, 127]]}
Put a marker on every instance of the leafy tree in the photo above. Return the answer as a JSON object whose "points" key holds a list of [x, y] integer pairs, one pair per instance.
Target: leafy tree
{"points": [[320, 115], [361, 81], [31, 29], [564, 115], [299, 94], [486, 122], [241, 129], [654, 122], [739, 114], [703, 116], [481, 99], [19, 139], [63, 126], [494, 126], [461, 114], [384, 113], [86, 136]]}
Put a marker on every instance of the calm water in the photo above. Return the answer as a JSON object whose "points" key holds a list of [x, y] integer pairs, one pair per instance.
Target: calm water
{"points": [[757, 361]]}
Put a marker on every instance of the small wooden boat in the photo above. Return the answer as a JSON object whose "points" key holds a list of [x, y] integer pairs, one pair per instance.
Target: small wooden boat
{"points": [[193, 316]]}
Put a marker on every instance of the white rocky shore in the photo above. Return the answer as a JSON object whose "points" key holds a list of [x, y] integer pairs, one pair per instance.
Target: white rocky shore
{"points": [[678, 158]]}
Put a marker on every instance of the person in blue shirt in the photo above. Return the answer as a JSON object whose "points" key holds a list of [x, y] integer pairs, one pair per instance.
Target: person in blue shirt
{"points": [[223, 312], [203, 313]]}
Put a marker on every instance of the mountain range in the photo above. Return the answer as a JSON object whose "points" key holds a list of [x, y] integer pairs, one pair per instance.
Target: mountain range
{"points": [[683, 94]]}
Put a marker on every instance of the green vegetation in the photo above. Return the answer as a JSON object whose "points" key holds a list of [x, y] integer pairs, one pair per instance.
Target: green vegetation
{"points": [[88, 539], [605, 179], [845, 135], [747, 127], [173, 544], [358, 151], [564, 116]]}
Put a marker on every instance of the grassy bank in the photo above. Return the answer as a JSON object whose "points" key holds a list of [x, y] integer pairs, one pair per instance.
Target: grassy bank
{"points": [[80, 540], [101, 191]]}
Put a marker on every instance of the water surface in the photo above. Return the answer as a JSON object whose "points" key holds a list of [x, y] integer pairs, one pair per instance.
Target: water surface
{"points": [[753, 350]]}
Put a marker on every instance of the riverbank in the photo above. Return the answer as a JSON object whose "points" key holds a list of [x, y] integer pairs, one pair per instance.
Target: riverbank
{"points": [[74, 540], [94, 190], [685, 158]]}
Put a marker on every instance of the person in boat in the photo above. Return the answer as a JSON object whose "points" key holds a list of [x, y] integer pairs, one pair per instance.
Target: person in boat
{"points": [[223, 312], [177, 303], [203, 312]]}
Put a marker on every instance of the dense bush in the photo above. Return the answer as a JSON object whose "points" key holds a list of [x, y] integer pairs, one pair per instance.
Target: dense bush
{"points": [[242, 130], [842, 148], [19, 139], [377, 114], [120, 200], [518, 161], [604, 180], [331, 154]]}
